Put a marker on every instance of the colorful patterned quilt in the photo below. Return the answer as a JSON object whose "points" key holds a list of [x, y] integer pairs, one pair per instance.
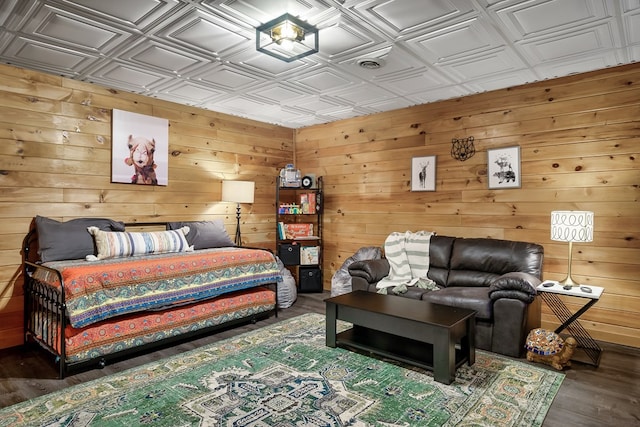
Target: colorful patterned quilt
{"points": [[134, 330], [95, 291]]}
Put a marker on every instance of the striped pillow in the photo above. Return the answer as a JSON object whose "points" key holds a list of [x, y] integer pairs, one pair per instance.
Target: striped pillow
{"points": [[110, 244]]}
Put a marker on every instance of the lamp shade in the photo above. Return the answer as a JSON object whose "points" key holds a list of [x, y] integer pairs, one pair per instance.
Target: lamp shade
{"points": [[572, 226], [238, 191]]}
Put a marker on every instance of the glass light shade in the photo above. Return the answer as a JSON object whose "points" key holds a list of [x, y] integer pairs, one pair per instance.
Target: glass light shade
{"points": [[238, 191], [287, 38]]}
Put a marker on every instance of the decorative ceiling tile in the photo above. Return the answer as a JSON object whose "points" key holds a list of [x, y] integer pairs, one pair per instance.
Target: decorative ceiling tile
{"points": [[58, 26], [163, 57], [361, 94], [138, 13], [389, 104], [207, 33], [128, 77], [344, 113], [10, 12], [245, 105], [189, 92], [316, 103], [346, 37], [409, 83], [324, 80], [502, 80], [569, 45], [438, 94], [47, 57], [566, 67], [399, 17], [269, 67], [261, 11], [227, 77], [456, 41], [277, 94], [632, 25], [287, 113], [528, 19], [487, 64]]}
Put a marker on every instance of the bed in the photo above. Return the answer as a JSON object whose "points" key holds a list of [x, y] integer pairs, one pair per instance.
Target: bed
{"points": [[94, 291]]}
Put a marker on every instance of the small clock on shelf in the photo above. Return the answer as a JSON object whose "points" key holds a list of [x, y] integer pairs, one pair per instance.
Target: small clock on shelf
{"points": [[307, 181]]}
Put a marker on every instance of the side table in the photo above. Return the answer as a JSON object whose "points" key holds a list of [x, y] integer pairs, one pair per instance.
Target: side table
{"points": [[550, 295]]}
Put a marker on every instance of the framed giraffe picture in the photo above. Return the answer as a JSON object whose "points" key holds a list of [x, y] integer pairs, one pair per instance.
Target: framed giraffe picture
{"points": [[423, 173]]}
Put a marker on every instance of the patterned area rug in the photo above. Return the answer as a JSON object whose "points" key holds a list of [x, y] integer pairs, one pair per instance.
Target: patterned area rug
{"points": [[284, 375]]}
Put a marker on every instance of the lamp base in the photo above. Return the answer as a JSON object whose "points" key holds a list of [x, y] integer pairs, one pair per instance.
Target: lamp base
{"points": [[238, 240], [568, 281]]}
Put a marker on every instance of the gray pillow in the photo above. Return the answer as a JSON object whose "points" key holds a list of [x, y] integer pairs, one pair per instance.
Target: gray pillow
{"points": [[69, 240], [205, 234]]}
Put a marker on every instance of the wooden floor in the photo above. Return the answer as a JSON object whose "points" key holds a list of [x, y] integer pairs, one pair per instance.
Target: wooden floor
{"points": [[589, 396]]}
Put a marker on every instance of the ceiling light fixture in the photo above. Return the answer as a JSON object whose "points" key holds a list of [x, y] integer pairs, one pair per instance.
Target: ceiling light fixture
{"points": [[287, 38]]}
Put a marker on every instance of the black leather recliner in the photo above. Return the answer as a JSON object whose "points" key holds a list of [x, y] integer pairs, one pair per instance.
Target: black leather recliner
{"points": [[496, 278]]}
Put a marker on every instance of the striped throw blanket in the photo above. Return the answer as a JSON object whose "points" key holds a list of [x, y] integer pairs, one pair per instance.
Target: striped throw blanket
{"points": [[408, 256]]}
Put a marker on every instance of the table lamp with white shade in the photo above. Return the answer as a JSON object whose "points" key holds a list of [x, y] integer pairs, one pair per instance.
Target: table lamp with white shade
{"points": [[571, 226], [238, 192]]}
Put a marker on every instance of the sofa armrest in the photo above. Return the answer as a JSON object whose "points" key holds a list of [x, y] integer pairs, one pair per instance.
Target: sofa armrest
{"points": [[371, 270], [515, 285]]}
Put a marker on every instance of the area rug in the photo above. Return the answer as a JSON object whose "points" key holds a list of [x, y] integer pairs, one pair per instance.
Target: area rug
{"points": [[284, 375]]}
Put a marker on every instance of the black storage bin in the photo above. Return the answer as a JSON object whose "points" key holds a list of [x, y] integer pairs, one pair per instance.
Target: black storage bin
{"points": [[310, 279], [289, 254]]}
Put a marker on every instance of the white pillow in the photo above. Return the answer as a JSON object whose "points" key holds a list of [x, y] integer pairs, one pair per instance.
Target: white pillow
{"points": [[115, 244]]}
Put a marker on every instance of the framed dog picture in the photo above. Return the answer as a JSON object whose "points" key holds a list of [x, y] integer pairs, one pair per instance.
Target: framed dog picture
{"points": [[423, 173], [503, 167], [139, 149]]}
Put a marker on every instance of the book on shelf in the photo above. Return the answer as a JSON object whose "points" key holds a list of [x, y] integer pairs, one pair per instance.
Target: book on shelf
{"points": [[308, 203], [295, 231], [309, 255]]}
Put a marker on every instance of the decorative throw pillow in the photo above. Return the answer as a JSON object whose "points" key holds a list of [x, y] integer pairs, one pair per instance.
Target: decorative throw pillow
{"points": [[124, 244], [69, 240], [205, 234]]}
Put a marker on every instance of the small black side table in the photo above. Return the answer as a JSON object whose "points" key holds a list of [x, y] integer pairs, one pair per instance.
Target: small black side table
{"points": [[550, 295]]}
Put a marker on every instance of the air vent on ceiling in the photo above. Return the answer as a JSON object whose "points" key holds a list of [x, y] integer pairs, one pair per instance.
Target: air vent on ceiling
{"points": [[371, 63]]}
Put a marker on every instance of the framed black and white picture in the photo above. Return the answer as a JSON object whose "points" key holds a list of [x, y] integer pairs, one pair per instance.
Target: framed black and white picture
{"points": [[423, 173], [139, 149], [503, 167]]}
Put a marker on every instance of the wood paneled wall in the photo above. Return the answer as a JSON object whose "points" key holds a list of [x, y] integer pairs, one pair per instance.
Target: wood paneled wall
{"points": [[580, 140], [55, 161]]}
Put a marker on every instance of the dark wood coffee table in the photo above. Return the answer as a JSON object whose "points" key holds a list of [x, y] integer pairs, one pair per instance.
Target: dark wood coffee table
{"points": [[412, 331]]}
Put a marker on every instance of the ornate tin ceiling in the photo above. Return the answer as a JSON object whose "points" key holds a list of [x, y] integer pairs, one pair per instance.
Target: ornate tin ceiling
{"points": [[203, 53]]}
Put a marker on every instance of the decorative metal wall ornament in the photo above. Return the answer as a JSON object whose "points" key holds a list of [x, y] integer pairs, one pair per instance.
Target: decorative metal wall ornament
{"points": [[462, 149]]}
